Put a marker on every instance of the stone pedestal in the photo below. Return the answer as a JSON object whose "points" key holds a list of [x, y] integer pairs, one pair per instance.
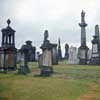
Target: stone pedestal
{"points": [[83, 54], [7, 59], [46, 68], [95, 57]]}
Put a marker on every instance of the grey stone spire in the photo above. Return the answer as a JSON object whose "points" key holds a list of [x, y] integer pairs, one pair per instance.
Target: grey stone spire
{"points": [[97, 32], [83, 31], [59, 50]]}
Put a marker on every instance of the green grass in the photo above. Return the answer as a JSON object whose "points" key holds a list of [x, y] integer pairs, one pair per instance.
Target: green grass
{"points": [[68, 82]]}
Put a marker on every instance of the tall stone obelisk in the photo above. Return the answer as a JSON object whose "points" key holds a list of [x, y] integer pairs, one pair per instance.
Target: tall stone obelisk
{"points": [[59, 50], [83, 49]]}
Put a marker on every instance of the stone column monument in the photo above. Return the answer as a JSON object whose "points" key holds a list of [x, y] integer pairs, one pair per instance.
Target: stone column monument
{"points": [[83, 49], [46, 61], [95, 57]]}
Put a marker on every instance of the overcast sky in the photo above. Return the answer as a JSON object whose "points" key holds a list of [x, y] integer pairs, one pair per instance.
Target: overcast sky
{"points": [[60, 17]]}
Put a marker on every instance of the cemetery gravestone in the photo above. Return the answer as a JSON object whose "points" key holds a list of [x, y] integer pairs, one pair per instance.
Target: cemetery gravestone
{"points": [[83, 49], [24, 69], [95, 57], [73, 55], [46, 64], [8, 52]]}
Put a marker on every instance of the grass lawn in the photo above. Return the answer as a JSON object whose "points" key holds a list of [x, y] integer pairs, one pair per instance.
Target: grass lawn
{"points": [[69, 82]]}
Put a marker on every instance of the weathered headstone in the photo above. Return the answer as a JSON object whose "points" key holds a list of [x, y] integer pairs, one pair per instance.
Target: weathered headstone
{"points": [[83, 49], [46, 61], [24, 69], [8, 51], [73, 58]]}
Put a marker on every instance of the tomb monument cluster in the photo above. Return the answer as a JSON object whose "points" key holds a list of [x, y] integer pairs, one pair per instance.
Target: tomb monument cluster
{"points": [[51, 54]]}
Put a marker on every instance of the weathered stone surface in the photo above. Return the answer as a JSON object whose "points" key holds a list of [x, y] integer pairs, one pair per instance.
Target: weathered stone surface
{"points": [[46, 57], [59, 50], [95, 57], [73, 55], [31, 54], [83, 49], [66, 51], [24, 69], [83, 54], [54, 54], [8, 52]]}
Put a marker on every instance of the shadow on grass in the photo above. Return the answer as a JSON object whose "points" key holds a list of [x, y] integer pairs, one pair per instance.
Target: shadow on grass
{"points": [[42, 76], [3, 98]]}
